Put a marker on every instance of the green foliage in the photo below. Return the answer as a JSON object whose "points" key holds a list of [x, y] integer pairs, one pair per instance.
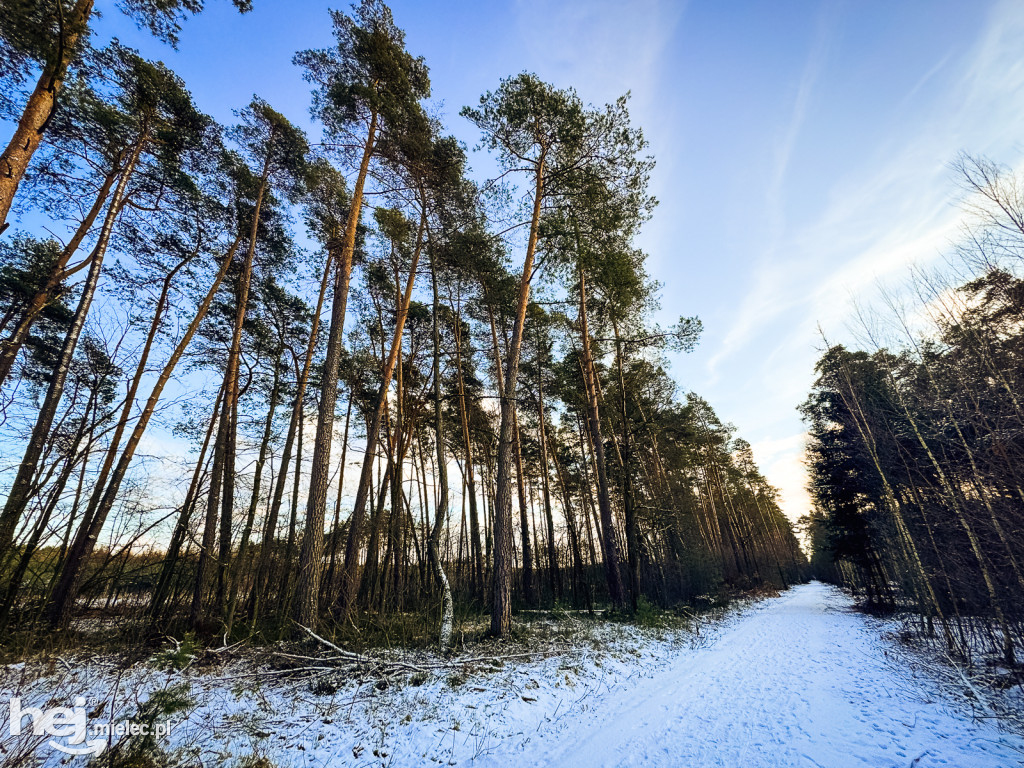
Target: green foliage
{"points": [[701, 516], [144, 750], [178, 654], [35, 34], [526, 119], [369, 73], [913, 451], [25, 268], [647, 614], [275, 148]]}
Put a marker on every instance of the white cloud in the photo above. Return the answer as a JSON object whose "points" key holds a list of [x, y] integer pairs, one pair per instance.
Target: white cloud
{"points": [[823, 36], [603, 48], [894, 209]]}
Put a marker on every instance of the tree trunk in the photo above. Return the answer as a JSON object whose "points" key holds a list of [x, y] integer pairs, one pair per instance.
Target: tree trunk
{"points": [[580, 587], [441, 471], [163, 584], [225, 447], [328, 584], [553, 573], [261, 582], [528, 588], [250, 517], [71, 574], [632, 545], [42, 103], [611, 548], [287, 581], [349, 574], [17, 500], [310, 566], [501, 600], [70, 462], [476, 554], [59, 272]]}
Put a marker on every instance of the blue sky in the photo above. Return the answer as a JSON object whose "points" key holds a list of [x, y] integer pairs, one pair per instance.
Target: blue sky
{"points": [[802, 147]]}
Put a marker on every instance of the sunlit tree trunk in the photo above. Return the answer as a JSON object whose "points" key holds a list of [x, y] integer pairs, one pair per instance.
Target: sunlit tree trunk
{"points": [[41, 105]]}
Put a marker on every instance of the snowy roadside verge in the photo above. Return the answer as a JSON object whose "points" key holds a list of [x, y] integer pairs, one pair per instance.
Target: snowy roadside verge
{"points": [[985, 690], [246, 709]]}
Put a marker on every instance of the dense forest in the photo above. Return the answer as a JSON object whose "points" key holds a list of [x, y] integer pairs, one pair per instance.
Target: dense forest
{"points": [[916, 439], [263, 379]]}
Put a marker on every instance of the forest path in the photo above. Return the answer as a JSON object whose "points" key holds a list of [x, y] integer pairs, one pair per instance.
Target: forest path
{"points": [[803, 680]]}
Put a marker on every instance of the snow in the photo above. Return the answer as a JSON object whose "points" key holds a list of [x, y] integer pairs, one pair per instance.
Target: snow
{"points": [[803, 680], [798, 680]]}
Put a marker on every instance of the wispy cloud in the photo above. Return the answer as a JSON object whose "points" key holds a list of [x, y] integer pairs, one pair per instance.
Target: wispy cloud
{"points": [[768, 287], [603, 48], [894, 208], [824, 34]]}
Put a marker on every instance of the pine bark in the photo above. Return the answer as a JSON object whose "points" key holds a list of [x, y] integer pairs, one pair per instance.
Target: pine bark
{"points": [[501, 593], [349, 575], [39, 108]]}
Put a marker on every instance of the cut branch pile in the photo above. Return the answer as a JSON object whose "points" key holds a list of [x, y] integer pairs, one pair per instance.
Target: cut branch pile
{"points": [[360, 665]]}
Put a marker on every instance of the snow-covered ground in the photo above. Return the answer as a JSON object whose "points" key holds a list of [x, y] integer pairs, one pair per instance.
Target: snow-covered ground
{"points": [[798, 680]]}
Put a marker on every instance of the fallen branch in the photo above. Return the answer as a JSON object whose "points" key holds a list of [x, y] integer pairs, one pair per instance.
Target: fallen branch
{"points": [[387, 666], [271, 673]]}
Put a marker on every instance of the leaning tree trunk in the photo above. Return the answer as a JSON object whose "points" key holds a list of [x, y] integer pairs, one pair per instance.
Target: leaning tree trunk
{"points": [[41, 105], [114, 444], [223, 481], [59, 272], [328, 584], [972, 537], [250, 517], [261, 582], [349, 571], [308, 588], [225, 447], [70, 580], [17, 500], [310, 567], [163, 585], [475, 547], [863, 427], [501, 594], [42, 524]]}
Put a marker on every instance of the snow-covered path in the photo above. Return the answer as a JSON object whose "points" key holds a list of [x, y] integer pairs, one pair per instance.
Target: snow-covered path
{"points": [[802, 680]]}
